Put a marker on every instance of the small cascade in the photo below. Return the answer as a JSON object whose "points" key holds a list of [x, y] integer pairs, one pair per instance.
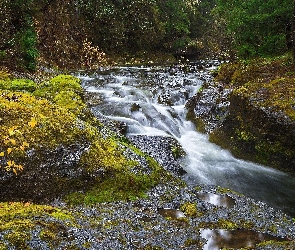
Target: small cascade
{"points": [[151, 101]]}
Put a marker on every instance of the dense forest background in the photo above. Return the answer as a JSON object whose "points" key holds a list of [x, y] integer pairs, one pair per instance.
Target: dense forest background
{"points": [[87, 33]]}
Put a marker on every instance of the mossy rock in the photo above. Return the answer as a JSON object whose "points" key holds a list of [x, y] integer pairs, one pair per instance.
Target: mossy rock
{"points": [[18, 85], [261, 120], [18, 221], [52, 146]]}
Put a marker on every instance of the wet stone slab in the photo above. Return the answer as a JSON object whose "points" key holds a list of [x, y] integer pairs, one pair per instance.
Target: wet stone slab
{"points": [[236, 239], [217, 200], [171, 213]]}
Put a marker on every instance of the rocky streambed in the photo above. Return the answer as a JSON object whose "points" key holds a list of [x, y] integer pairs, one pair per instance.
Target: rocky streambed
{"points": [[171, 216], [124, 191]]}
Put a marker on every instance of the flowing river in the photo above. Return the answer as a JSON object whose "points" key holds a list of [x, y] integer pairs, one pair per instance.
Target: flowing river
{"points": [[151, 101]]}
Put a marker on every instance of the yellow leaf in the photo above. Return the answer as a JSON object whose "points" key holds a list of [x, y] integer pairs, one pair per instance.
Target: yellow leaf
{"points": [[10, 163], [17, 131], [14, 171], [1, 153], [19, 167], [11, 131], [12, 141], [22, 148], [32, 123], [25, 144], [9, 150], [6, 141]]}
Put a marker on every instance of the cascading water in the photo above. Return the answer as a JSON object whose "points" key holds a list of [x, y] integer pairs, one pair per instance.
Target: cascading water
{"points": [[150, 100]]}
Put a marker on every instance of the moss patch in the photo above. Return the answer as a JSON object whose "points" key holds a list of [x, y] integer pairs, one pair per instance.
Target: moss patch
{"points": [[17, 220], [53, 118], [261, 117], [121, 182]]}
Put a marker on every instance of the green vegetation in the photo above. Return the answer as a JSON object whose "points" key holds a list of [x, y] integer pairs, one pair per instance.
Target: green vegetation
{"points": [[93, 33], [190, 209], [18, 219], [123, 181], [258, 28], [219, 224], [261, 112], [50, 114]]}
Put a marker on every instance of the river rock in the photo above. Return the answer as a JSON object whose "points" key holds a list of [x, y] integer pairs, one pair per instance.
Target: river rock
{"points": [[247, 120], [165, 150]]}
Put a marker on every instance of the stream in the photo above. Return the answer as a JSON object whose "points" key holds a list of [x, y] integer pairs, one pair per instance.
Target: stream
{"points": [[151, 101]]}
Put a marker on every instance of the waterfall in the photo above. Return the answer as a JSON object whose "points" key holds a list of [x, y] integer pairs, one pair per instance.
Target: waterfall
{"points": [[151, 101]]}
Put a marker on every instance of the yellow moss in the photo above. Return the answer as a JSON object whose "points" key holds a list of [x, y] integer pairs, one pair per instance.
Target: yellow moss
{"points": [[18, 239], [220, 224], [29, 122], [190, 209], [52, 116], [4, 75], [18, 219]]}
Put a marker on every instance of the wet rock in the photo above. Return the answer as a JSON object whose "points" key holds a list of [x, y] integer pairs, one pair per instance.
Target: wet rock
{"points": [[165, 150], [238, 119], [209, 107], [49, 174], [135, 107], [257, 134]]}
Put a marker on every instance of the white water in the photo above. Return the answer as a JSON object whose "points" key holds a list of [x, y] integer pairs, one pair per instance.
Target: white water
{"points": [[122, 90]]}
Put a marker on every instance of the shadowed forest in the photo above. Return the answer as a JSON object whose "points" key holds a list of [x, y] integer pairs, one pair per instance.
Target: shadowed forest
{"points": [[85, 34]]}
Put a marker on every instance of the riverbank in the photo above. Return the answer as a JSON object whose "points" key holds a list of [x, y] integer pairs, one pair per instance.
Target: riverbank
{"points": [[121, 198], [249, 109]]}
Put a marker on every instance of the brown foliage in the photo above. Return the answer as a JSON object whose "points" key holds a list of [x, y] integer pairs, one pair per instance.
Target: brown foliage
{"points": [[63, 39]]}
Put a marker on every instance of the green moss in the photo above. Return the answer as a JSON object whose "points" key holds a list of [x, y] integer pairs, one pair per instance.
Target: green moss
{"points": [[18, 85], [220, 224], [3, 246], [18, 219], [28, 122], [190, 209], [18, 239], [87, 244], [262, 111], [271, 244], [47, 235], [18, 216], [65, 91], [118, 182], [223, 190], [192, 242], [150, 247], [121, 179], [4, 75], [51, 88]]}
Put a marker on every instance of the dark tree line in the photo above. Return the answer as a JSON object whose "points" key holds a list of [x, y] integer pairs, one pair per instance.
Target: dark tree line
{"points": [[67, 33]]}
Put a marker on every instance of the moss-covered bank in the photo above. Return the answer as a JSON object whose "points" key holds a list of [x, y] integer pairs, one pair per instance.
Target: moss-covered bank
{"points": [[51, 145], [261, 119]]}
